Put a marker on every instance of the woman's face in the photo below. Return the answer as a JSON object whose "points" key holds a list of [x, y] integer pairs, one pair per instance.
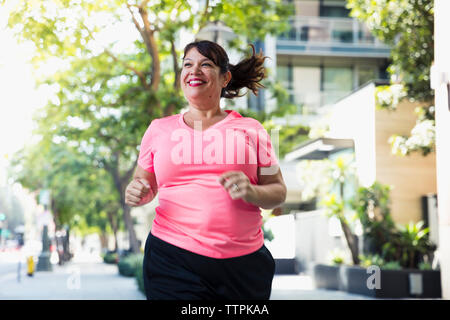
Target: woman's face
{"points": [[201, 80]]}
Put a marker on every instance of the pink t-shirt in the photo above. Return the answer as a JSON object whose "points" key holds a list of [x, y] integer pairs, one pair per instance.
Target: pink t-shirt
{"points": [[195, 211]]}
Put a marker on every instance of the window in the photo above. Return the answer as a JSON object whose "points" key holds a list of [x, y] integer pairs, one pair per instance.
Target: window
{"points": [[337, 79], [366, 74], [333, 8], [336, 83], [283, 76]]}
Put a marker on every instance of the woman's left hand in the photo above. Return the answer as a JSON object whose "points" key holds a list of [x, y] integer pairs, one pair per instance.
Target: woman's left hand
{"points": [[238, 185]]}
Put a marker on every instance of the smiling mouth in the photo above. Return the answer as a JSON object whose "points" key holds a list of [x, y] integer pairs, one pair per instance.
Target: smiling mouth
{"points": [[195, 83]]}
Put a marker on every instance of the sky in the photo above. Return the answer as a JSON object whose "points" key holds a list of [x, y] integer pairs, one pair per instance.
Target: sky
{"points": [[18, 95]]}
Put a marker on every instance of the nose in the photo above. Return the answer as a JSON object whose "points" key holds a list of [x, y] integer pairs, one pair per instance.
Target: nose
{"points": [[195, 69]]}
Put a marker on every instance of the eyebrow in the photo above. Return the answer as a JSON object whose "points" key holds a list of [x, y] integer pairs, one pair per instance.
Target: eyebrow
{"points": [[205, 59]]}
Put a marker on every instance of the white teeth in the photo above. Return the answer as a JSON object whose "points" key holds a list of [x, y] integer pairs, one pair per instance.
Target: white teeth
{"points": [[195, 82]]}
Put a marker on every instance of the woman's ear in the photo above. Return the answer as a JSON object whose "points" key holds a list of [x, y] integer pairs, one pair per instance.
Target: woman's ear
{"points": [[227, 78]]}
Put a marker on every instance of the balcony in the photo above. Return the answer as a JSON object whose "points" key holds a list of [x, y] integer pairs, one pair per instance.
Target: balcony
{"points": [[330, 37], [310, 103]]}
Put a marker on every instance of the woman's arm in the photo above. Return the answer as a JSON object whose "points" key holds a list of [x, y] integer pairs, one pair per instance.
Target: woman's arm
{"points": [[269, 193]]}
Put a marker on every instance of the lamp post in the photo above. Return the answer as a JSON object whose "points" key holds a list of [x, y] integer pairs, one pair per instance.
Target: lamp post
{"points": [[44, 258]]}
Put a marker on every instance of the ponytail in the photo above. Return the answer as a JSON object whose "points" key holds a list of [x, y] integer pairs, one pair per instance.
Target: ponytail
{"points": [[246, 74]]}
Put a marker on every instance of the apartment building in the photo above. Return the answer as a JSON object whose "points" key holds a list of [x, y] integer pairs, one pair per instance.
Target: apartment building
{"points": [[324, 56]]}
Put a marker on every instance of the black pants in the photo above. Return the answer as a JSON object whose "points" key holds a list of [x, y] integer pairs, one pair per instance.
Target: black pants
{"points": [[172, 273]]}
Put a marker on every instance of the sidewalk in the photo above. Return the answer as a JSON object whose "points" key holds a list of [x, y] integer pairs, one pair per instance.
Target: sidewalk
{"points": [[85, 278], [301, 287]]}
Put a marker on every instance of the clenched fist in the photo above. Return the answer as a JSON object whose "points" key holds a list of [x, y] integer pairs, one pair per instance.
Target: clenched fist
{"points": [[138, 193], [238, 185]]}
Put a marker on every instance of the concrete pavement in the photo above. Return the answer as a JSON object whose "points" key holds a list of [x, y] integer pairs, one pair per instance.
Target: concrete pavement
{"points": [[86, 277], [301, 287]]}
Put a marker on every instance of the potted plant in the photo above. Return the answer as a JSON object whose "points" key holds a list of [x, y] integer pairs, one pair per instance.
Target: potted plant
{"points": [[341, 176], [395, 260], [403, 254]]}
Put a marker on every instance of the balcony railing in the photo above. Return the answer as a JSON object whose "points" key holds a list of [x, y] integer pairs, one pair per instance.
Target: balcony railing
{"points": [[332, 30], [309, 104], [338, 36]]}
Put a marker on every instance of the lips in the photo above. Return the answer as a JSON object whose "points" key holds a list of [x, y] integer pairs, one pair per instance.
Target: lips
{"points": [[195, 82]]}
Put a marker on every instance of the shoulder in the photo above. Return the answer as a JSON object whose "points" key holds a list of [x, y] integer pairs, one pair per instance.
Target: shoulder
{"points": [[165, 120]]}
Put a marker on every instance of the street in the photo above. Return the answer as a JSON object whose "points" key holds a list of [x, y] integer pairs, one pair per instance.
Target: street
{"points": [[86, 277]]}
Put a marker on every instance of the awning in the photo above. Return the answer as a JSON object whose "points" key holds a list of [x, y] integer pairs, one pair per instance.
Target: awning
{"points": [[319, 148]]}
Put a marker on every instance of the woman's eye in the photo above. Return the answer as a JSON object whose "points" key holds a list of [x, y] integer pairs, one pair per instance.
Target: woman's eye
{"points": [[206, 64], [187, 64]]}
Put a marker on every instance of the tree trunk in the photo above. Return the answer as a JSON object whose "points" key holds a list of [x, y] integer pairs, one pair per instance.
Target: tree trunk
{"points": [[351, 241], [121, 184], [104, 241], [349, 236], [112, 217], [134, 245]]}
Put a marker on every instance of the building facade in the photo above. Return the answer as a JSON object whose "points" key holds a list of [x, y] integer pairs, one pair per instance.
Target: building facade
{"points": [[324, 56]]}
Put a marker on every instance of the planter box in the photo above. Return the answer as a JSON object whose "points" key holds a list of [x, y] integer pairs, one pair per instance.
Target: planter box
{"points": [[387, 284], [286, 266], [325, 276]]}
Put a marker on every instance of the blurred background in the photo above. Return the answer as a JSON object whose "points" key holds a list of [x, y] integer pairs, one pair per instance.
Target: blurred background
{"points": [[349, 100]]}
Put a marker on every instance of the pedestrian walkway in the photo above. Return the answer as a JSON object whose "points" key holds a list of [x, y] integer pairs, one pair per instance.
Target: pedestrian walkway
{"points": [[301, 287], [85, 278]]}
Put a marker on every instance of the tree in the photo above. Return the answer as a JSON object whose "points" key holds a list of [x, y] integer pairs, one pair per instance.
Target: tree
{"points": [[82, 197], [408, 27], [342, 173], [106, 96]]}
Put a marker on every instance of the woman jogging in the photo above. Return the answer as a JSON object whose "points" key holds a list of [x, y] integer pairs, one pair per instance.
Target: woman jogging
{"points": [[213, 170]]}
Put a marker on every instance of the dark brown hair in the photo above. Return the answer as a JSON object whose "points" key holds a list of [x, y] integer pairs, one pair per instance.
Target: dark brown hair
{"points": [[247, 73]]}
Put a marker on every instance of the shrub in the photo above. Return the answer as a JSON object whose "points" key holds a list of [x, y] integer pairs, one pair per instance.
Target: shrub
{"points": [[392, 265], [129, 265], [366, 261], [376, 260], [111, 257], [336, 256]]}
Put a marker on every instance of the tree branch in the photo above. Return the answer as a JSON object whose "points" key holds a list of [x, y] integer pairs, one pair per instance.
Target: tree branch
{"points": [[152, 48], [136, 23], [129, 173], [205, 16], [176, 68], [107, 137], [126, 65]]}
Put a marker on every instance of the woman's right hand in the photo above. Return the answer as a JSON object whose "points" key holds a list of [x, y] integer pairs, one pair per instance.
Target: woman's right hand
{"points": [[138, 192]]}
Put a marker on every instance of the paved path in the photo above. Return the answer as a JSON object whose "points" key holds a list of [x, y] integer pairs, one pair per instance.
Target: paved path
{"points": [[86, 277], [300, 287], [82, 279]]}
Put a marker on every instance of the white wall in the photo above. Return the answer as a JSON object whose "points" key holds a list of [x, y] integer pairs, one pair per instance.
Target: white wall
{"points": [[354, 118], [316, 236], [270, 45], [442, 63]]}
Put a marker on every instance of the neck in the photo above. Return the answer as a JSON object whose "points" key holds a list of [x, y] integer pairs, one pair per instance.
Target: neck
{"points": [[204, 113]]}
